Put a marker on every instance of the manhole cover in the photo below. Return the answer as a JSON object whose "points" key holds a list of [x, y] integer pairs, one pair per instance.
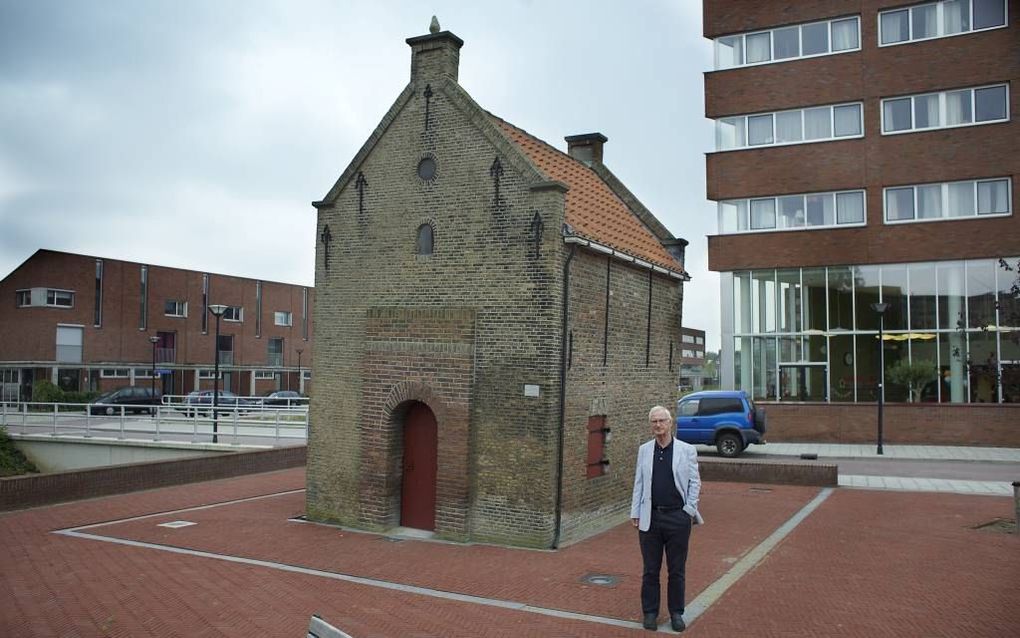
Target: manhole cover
{"points": [[602, 580]]}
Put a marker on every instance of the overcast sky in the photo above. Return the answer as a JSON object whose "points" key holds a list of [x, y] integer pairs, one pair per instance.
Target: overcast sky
{"points": [[195, 133]]}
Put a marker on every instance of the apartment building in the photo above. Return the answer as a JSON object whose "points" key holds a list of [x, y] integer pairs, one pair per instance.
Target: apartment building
{"points": [[92, 323], [692, 359], [866, 161]]}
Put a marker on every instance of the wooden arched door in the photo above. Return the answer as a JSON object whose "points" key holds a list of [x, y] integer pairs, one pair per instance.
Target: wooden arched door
{"points": [[418, 486]]}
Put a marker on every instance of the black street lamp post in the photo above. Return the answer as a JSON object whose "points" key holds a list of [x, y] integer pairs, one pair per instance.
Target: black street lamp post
{"points": [[300, 381], [154, 341], [217, 311], [880, 308]]}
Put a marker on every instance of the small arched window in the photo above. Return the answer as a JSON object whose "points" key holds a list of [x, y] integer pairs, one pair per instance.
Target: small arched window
{"points": [[425, 240]]}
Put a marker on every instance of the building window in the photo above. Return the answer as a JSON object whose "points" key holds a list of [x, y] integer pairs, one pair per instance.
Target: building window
{"points": [[947, 109], [425, 242], [688, 353], [69, 344], [60, 298], [952, 200], [233, 313], [799, 126], [282, 318], [23, 298], [143, 316], [114, 373], [307, 374], [258, 308], [688, 338], [809, 40], [176, 308], [939, 20], [275, 353], [208, 374], [304, 314], [699, 340], [792, 212], [205, 304], [597, 437], [143, 373], [97, 319], [811, 334], [265, 374]]}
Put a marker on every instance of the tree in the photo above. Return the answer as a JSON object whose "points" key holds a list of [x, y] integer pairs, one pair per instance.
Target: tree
{"points": [[913, 374]]}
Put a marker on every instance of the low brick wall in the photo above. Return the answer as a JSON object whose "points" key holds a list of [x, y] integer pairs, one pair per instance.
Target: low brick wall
{"points": [[744, 471], [19, 492], [996, 425]]}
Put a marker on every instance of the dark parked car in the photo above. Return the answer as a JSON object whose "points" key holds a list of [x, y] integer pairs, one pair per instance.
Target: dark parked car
{"points": [[134, 399], [226, 399], [284, 398]]}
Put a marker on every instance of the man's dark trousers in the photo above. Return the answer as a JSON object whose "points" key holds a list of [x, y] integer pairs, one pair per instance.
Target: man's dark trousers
{"points": [[669, 530]]}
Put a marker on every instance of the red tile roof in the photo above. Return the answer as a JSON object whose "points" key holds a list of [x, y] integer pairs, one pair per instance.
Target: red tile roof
{"points": [[593, 210]]}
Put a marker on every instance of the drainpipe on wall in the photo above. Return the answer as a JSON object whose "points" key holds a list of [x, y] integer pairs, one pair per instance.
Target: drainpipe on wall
{"points": [[563, 398]]}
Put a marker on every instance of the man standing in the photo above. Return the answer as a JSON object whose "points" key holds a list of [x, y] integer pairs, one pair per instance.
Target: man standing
{"points": [[663, 508]]}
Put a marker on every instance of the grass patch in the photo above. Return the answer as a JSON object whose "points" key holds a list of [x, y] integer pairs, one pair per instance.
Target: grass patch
{"points": [[12, 461]]}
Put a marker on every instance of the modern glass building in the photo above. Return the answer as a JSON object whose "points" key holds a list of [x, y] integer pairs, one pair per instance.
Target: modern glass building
{"points": [[810, 334]]}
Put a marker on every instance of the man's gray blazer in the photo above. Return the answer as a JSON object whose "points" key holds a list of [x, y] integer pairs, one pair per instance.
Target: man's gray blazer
{"points": [[685, 475]]}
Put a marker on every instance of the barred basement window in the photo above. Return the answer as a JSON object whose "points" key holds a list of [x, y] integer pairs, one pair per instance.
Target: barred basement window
{"points": [[598, 436]]}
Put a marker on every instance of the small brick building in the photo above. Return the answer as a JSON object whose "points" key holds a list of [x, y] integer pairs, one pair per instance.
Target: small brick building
{"points": [[494, 319]]}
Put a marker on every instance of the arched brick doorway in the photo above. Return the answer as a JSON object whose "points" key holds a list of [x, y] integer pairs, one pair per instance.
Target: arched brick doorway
{"points": [[418, 482]]}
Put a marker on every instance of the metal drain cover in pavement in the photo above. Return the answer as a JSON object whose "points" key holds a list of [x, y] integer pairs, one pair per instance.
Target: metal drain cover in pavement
{"points": [[602, 580], [176, 524]]}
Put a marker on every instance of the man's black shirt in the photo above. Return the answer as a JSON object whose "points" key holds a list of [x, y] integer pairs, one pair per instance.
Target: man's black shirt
{"points": [[664, 492]]}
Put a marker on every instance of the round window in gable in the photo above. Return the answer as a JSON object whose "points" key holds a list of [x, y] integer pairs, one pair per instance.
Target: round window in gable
{"points": [[425, 241], [427, 169]]}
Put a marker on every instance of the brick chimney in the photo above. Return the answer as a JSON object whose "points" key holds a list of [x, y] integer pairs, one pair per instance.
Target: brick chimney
{"points": [[434, 55], [587, 147]]}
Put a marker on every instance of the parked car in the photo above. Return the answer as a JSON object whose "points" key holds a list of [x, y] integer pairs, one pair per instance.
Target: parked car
{"points": [[285, 398], [727, 419], [134, 399], [226, 399]]}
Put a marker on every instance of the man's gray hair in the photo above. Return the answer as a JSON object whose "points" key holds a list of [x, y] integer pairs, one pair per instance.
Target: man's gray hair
{"points": [[659, 408]]}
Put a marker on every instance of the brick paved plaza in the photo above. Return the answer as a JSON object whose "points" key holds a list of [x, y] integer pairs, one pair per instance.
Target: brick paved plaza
{"points": [[861, 563]]}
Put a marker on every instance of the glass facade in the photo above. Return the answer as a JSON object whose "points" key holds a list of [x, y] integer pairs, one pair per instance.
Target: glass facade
{"points": [[810, 334]]}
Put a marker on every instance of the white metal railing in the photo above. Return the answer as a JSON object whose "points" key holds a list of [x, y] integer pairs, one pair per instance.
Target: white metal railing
{"points": [[247, 424]]}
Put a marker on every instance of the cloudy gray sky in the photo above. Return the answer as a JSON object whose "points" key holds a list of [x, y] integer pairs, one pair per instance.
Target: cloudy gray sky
{"points": [[195, 133]]}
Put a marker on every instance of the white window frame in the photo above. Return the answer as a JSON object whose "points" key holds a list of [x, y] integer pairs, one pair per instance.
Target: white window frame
{"points": [[264, 375], [940, 23], [238, 310], [832, 127], [144, 373], [181, 308], [114, 373], [57, 291], [307, 374], [776, 198], [288, 320], [772, 43], [942, 109], [687, 338], [19, 293], [209, 374], [945, 201]]}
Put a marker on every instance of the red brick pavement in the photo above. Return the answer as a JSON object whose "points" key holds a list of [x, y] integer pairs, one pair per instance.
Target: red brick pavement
{"points": [[54, 585], [875, 563]]}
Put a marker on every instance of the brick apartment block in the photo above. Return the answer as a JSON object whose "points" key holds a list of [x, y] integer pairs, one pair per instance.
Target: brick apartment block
{"points": [[903, 193], [86, 323], [495, 318]]}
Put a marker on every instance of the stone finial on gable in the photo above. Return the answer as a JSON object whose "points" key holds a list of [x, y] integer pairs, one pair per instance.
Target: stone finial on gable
{"points": [[434, 25]]}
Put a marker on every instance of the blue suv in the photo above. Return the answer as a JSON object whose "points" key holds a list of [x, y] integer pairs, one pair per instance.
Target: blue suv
{"points": [[726, 419]]}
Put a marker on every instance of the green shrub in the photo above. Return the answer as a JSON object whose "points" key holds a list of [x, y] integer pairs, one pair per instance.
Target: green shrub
{"points": [[44, 391], [12, 461], [913, 375]]}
